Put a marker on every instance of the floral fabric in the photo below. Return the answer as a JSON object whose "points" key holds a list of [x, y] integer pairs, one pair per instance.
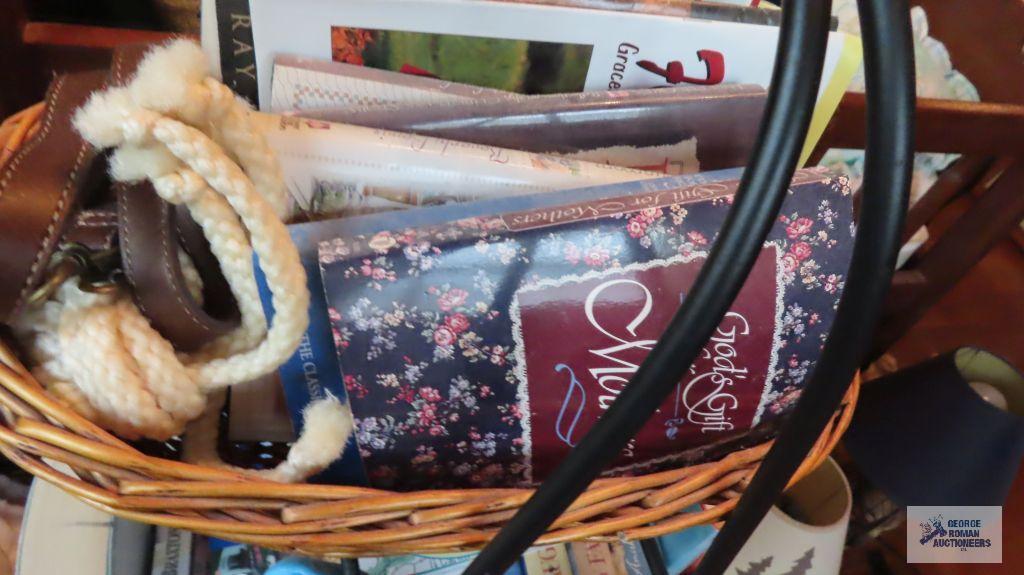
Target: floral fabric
{"points": [[421, 320]]}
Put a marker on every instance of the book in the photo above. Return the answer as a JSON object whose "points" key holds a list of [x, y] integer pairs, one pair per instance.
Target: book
{"points": [[336, 169], [684, 548], [716, 10], [172, 552], [305, 84], [62, 534], [452, 337], [670, 131], [201, 555], [313, 370], [331, 168], [631, 554], [547, 560], [179, 552], [527, 48], [595, 558], [126, 552]]}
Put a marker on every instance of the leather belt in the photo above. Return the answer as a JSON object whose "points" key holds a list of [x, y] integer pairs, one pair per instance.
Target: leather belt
{"points": [[152, 232], [40, 188], [42, 191]]}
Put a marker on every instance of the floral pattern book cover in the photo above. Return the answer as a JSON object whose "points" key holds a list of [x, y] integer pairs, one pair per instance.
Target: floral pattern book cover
{"points": [[478, 352]]}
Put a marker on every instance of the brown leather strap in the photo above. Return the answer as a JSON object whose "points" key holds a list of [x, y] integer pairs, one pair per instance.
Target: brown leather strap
{"points": [[94, 228], [217, 296], [41, 190], [40, 187], [149, 254], [151, 235]]}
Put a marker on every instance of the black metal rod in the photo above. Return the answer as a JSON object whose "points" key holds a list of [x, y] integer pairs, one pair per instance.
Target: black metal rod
{"points": [[791, 98], [889, 72]]}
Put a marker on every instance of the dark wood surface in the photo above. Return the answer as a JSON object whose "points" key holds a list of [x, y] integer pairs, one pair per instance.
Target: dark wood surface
{"points": [[985, 40], [988, 180], [942, 126]]}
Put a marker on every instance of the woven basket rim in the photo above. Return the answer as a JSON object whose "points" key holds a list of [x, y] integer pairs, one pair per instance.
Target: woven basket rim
{"points": [[56, 444]]}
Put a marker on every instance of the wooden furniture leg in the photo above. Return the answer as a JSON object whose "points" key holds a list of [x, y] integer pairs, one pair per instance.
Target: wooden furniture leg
{"points": [[959, 176], [995, 213]]}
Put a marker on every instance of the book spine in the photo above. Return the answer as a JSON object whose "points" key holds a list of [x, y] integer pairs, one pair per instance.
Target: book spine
{"points": [[237, 53], [634, 558], [548, 560], [594, 558], [172, 551], [313, 371]]}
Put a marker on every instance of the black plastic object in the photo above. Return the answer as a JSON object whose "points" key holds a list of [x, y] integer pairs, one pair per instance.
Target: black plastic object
{"points": [[791, 98], [889, 72], [924, 437]]}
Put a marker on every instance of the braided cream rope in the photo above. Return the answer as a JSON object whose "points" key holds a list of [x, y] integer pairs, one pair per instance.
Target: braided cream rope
{"points": [[194, 140]]}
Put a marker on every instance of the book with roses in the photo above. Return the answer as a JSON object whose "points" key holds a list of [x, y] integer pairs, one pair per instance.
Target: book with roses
{"points": [[478, 348]]}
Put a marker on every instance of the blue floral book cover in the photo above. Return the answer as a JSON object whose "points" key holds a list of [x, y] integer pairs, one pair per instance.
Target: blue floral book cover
{"points": [[479, 350], [313, 369]]}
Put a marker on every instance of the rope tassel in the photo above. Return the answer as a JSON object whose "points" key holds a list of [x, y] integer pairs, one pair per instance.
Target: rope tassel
{"points": [[195, 141]]}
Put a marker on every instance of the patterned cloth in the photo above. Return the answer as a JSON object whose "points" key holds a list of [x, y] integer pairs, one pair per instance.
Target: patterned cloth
{"points": [[426, 336]]}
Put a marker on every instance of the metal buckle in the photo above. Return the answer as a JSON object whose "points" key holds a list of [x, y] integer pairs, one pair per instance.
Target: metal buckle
{"points": [[97, 271]]}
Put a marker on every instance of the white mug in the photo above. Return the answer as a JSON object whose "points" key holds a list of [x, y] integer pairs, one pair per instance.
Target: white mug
{"points": [[808, 537]]}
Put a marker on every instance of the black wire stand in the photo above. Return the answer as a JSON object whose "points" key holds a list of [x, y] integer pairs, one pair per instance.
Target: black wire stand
{"points": [[889, 73]]}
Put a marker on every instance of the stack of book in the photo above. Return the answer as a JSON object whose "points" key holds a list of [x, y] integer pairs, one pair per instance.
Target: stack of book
{"points": [[177, 552], [499, 205], [473, 180], [95, 543]]}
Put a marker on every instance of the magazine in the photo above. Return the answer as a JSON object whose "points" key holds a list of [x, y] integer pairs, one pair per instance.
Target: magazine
{"points": [[745, 11], [526, 48], [336, 169], [310, 84], [448, 332], [677, 130]]}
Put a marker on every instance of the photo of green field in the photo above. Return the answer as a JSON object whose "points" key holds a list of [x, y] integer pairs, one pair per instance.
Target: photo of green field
{"points": [[522, 66]]}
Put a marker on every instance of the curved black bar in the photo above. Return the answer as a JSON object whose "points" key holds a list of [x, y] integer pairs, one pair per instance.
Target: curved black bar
{"points": [[889, 69], [791, 99]]}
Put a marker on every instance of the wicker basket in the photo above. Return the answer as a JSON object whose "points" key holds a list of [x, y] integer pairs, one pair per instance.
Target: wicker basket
{"points": [[56, 444]]}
